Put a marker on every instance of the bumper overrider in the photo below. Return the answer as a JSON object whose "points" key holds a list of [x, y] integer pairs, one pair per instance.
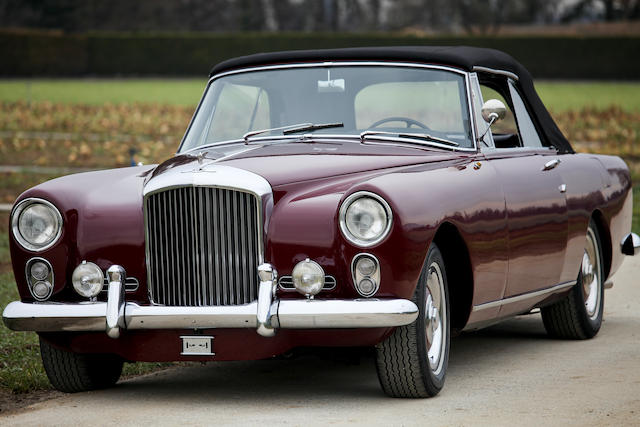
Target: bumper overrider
{"points": [[267, 314]]}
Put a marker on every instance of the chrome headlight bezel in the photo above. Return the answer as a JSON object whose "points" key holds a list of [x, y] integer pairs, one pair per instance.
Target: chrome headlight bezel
{"points": [[344, 207], [15, 224]]}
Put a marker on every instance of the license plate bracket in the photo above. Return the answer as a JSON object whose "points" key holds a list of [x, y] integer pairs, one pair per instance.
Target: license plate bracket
{"points": [[197, 345]]}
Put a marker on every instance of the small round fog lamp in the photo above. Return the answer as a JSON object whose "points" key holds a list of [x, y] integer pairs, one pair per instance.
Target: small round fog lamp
{"points": [[87, 279], [366, 286], [308, 277], [39, 270], [41, 290], [366, 266]]}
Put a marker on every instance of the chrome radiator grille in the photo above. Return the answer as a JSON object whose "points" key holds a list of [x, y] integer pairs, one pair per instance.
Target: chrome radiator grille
{"points": [[202, 246]]}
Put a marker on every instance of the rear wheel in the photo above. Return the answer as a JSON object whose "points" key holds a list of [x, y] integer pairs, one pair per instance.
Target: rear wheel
{"points": [[579, 314], [413, 361], [73, 372]]}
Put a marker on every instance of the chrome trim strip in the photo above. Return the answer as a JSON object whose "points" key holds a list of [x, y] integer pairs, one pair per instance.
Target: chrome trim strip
{"points": [[285, 283], [325, 64], [495, 71], [322, 64], [523, 297], [470, 116], [291, 314], [131, 284]]}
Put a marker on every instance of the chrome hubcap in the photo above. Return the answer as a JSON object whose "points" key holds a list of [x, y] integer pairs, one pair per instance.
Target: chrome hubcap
{"points": [[590, 277], [435, 320]]}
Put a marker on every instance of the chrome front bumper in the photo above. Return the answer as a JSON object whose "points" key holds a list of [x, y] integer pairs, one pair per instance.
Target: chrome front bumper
{"points": [[266, 314]]}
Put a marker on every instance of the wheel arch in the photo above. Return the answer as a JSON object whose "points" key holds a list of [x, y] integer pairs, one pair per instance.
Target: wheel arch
{"points": [[605, 240], [459, 273]]}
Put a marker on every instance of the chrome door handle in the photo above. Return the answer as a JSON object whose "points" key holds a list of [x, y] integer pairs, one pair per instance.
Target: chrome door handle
{"points": [[551, 164]]}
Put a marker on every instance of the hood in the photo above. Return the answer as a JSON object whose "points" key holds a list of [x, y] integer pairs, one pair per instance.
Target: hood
{"points": [[290, 162]]}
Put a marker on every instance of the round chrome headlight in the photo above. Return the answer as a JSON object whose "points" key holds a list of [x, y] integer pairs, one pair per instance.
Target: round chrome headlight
{"points": [[308, 277], [87, 279], [365, 219], [36, 224]]}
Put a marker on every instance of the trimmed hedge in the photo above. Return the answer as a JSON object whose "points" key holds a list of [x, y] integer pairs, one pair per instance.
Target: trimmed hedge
{"points": [[110, 54]]}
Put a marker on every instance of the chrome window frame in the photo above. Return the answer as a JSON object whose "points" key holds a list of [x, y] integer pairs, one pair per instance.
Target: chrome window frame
{"points": [[320, 64], [473, 80]]}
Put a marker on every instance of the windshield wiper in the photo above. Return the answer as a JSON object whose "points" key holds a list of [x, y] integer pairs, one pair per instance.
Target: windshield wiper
{"points": [[311, 126], [248, 135], [439, 142], [289, 129]]}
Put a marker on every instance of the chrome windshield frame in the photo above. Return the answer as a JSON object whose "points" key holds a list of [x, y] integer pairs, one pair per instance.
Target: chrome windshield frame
{"points": [[321, 64]]}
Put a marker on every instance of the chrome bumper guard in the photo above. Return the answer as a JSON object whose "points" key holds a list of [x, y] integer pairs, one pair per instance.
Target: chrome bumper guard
{"points": [[266, 314]]}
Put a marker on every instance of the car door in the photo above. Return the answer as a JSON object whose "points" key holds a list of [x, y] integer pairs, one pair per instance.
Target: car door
{"points": [[535, 201]]}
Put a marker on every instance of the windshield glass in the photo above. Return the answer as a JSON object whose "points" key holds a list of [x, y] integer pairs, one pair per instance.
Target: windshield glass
{"points": [[359, 98]]}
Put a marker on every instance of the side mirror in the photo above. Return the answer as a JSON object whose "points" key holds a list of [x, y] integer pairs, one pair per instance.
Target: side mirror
{"points": [[493, 110]]}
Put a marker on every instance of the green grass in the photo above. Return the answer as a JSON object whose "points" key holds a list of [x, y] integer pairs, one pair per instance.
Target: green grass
{"points": [[20, 366], [563, 96], [558, 96], [99, 91]]}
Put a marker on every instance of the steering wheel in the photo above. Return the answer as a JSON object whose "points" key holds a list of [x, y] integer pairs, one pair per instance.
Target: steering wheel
{"points": [[407, 120]]}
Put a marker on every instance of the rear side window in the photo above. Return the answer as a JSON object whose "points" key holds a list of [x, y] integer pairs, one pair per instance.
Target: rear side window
{"points": [[528, 132]]}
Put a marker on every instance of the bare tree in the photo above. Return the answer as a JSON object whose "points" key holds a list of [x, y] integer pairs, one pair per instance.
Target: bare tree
{"points": [[270, 17]]}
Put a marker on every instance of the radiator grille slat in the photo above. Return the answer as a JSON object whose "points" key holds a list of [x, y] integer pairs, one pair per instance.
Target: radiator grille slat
{"points": [[202, 246]]}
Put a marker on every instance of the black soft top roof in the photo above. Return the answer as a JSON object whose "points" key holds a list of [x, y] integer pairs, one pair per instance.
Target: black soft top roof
{"points": [[463, 57]]}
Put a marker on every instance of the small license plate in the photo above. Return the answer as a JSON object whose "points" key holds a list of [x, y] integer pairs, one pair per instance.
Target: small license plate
{"points": [[197, 345]]}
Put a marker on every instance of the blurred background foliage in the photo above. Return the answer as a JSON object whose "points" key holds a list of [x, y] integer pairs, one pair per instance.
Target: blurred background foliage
{"points": [[443, 16]]}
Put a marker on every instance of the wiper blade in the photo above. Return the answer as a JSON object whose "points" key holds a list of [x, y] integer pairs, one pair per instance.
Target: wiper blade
{"points": [[248, 135], [311, 126], [421, 136]]}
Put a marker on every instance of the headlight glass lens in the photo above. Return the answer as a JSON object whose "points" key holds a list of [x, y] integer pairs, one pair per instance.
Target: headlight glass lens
{"points": [[36, 224], [366, 220], [366, 266], [87, 279], [308, 277], [42, 289], [39, 270]]}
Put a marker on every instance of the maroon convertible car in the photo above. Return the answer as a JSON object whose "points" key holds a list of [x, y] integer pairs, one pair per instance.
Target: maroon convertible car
{"points": [[383, 197]]}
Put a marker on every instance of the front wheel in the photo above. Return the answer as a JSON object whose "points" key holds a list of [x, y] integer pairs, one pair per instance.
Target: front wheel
{"points": [[579, 314], [413, 361], [73, 372]]}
